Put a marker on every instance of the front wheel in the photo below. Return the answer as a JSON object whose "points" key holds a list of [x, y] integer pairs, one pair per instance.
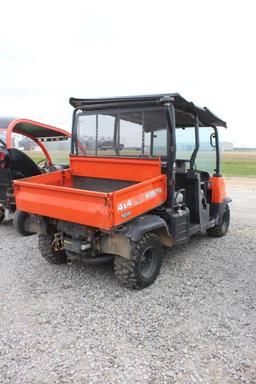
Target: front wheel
{"points": [[45, 245], [221, 229], [144, 265]]}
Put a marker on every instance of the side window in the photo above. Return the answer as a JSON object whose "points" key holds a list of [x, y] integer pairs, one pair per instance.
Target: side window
{"points": [[2, 138], [206, 156], [185, 142], [160, 143]]}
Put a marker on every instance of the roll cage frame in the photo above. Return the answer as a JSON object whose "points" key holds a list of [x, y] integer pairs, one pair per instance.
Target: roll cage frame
{"points": [[89, 107], [14, 125]]}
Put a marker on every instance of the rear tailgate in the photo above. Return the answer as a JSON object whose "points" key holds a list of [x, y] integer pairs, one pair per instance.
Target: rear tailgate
{"points": [[65, 203]]}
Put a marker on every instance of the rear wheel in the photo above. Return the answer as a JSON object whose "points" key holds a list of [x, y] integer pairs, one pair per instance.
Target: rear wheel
{"points": [[144, 266], [45, 244], [221, 230], [19, 223]]}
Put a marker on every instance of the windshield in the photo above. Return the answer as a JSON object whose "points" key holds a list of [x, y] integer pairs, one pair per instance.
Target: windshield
{"points": [[59, 150], [2, 138], [130, 133]]}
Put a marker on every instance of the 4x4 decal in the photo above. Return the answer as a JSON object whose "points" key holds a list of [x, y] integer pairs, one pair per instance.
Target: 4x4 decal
{"points": [[139, 199]]}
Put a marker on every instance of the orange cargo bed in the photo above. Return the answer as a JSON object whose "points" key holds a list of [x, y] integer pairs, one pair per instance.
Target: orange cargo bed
{"points": [[101, 192]]}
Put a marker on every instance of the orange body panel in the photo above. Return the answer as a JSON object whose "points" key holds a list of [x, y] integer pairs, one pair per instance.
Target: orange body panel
{"points": [[53, 195], [129, 169], [217, 185], [137, 199]]}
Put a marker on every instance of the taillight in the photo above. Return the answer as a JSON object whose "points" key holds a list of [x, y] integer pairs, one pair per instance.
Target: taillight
{"points": [[2, 156]]}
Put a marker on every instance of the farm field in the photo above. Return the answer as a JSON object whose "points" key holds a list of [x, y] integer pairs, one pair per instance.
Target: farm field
{"points": [[233, 163], [239, 163], [58, 157]]}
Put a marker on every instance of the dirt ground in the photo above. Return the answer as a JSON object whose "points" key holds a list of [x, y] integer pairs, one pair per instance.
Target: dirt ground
{"points": [[241, 182]]}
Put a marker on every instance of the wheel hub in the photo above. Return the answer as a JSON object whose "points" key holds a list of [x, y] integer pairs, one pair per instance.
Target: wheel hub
{"points": [[147, 263]]}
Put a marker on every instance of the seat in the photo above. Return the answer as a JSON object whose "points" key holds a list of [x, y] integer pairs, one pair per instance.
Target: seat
{"points": [[21, 165]]}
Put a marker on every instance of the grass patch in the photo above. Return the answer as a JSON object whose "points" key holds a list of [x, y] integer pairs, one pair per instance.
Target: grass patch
{"points": [[238, 163], [232, 163], [58, 157]]}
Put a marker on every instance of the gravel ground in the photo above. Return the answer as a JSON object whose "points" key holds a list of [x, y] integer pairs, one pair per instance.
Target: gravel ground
{"points": [[196, 324]]}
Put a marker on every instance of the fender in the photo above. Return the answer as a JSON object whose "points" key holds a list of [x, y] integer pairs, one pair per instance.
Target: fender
{"points": [[121, 241], [217, 209], [137, 228]]}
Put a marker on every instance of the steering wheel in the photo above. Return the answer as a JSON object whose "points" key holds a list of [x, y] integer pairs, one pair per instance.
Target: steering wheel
{"points": [[45, 163]]}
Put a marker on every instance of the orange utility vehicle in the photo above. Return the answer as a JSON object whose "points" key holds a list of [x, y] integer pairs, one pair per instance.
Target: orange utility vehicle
{"points": [[26, 149], [163, 186]]}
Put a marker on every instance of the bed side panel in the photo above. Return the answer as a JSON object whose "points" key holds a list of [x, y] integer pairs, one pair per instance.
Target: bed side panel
{"points": [[138, 199]]}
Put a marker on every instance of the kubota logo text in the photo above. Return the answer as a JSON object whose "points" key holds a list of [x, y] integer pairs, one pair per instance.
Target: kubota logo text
{"points": [[139, 199]]}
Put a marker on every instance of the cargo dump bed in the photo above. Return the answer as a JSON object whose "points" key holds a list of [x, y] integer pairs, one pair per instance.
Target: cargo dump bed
{"points": [[102, 192]]}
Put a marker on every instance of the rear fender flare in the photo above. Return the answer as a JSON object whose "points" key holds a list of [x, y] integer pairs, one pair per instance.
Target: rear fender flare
{"points": [[138, 227], [226, 201], [121, 242], [219, 209]]}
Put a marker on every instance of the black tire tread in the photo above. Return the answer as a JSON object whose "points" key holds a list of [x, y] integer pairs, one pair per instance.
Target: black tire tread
{"points": [[125, 270], [45, 248], [217, 230]]}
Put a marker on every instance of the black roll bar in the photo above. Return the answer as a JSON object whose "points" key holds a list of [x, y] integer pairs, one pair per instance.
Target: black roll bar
{"points": [[171, 154], [74, 145], [193, 156], [217, 170]]}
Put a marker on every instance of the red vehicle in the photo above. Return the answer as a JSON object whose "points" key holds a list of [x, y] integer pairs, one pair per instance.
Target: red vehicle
{"points": [[123, 205], [17, 136]]}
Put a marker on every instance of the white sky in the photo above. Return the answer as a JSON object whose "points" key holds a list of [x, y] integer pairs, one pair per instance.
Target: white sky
{"points": [[205, 50]]}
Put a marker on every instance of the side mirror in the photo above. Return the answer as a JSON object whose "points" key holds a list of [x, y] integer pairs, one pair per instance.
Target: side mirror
{"points": [[213, 140]]}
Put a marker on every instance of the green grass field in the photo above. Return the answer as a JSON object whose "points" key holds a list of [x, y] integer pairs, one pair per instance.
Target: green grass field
{"points": [[232, 163], [58, 157], [238, 163]]}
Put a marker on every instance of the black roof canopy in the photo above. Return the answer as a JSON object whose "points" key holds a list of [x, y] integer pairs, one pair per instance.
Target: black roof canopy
{"points": [[185, 110]]}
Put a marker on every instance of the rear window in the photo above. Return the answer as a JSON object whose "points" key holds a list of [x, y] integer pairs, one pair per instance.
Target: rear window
{"points": [[130, 133]]}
